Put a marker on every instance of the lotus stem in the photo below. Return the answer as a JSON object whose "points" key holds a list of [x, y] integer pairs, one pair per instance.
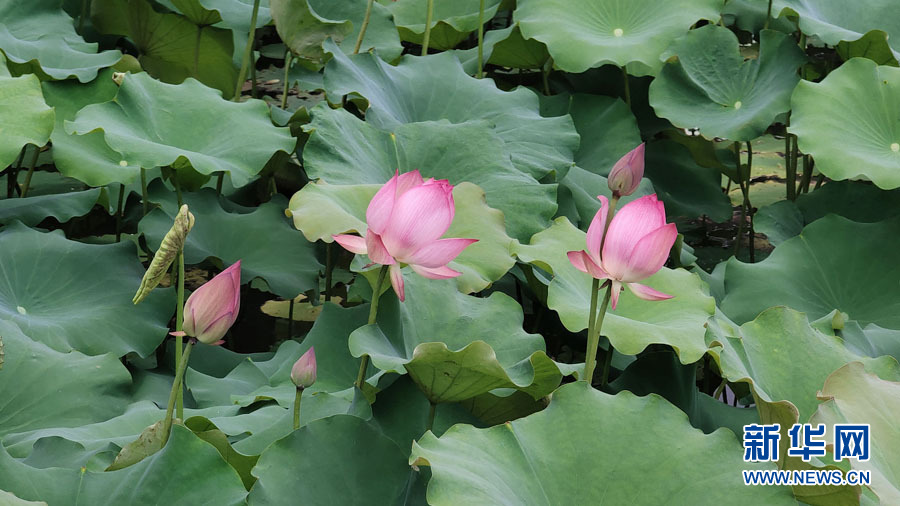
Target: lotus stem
{"points": [[431, 410], [119, 206], [27, 184], [807, 174], [179, 326], [768, 16], [297, 397], [789, 164], [373, 314], [480, 72], [85, 10], [329, 268], [291, 318], [220, 178], [590, 360], [197, 52], [545, 75], [245, 61], [176, 387], [145, 201], [288, 55], [607, 361], [747, 200], [428, 15], [627, 87], [363, 27]]}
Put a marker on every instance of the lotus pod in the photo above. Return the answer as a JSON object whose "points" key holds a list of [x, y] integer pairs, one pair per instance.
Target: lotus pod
{"points": [[172, 243]]}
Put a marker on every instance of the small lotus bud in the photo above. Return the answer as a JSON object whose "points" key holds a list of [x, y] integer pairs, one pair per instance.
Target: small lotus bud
{"points": [[303, 374], [118, 77], [626, 174], [171, 244], [212, 309]]}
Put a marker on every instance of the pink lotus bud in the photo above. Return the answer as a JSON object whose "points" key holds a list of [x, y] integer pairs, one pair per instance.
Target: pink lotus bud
{"points": [[636, 247], [626, 174], [406, 219], [303, 374], [212, 309]]}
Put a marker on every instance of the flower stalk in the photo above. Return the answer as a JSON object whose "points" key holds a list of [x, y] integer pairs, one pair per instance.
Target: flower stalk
{"points": [[176, 387], [373, 315]]}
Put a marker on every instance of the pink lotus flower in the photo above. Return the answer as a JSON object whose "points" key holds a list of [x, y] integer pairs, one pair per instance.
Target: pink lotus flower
{"points": [[626, 174], [405, 220], [636, 247], [303, 374], [212, 309]]}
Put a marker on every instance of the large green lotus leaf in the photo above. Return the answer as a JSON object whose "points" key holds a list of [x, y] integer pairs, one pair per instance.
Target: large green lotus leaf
{"points": [[24, 117], [606, 126], [510, 49], [833, 264], [188, 122], [606, 442], [236, 14], [171, 47], [39, 37], [303, 30], [451, 22], [834, 21], [854, 200], [381, 34], [871, 340], [69, 295], [752, 16], [62, 206], [85, 157], [289, 270], [582, 34], [45, 388], [117, 431], [342, 460], [436, 87], [322, 210], [10, 499], [456, 346], [848, 122], [635, 324], [873, 45], [852, 395], [256, 381], [711, 87], [159, 478], [660, 372], [688, 189], [344, 150]]}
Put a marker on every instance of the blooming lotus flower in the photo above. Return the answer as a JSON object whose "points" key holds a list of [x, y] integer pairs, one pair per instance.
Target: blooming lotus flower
{"points": [[212, 309], [626, 174], [303, 374], [405, 220], [636, 247]]}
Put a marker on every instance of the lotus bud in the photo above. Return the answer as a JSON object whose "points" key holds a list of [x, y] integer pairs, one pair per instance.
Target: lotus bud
{"points": [[212, 309], [303, 374], [626, 174], [172, 243]]}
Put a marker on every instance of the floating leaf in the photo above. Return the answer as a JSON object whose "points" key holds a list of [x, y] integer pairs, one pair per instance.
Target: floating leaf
{"points": [[39, 37], [189, 122], [322, 210], [303, 30], [45, 388], [533, 460], [848, 122], [852, 395], [581, 34], [346, 461], [711, 87], [24, 117], [381, 34], [456, 346], [510, 49], [833, 264], [72, 296], [635, 324], [290, 269], [436, 88], [161, 478]]}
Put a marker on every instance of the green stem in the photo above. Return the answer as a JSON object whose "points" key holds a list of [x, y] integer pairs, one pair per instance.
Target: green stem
{"points": [[85, 10], [768, 16], [197, 52], [747, 204], [220, 177], [179, 324], [176, 387], [145, 200], [119, 206], [590, 360], [288, 55], [807, 174], [819, 180], [329, 268], [428, 15], [627, 87], [740, 178], [362, 28], [545, 75], [291, 319], [245, 61], [297, 407], [607, 360], [34, 157], [373, 314], [431, 410], [790, 168], [592, 321], [480, 72]]}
